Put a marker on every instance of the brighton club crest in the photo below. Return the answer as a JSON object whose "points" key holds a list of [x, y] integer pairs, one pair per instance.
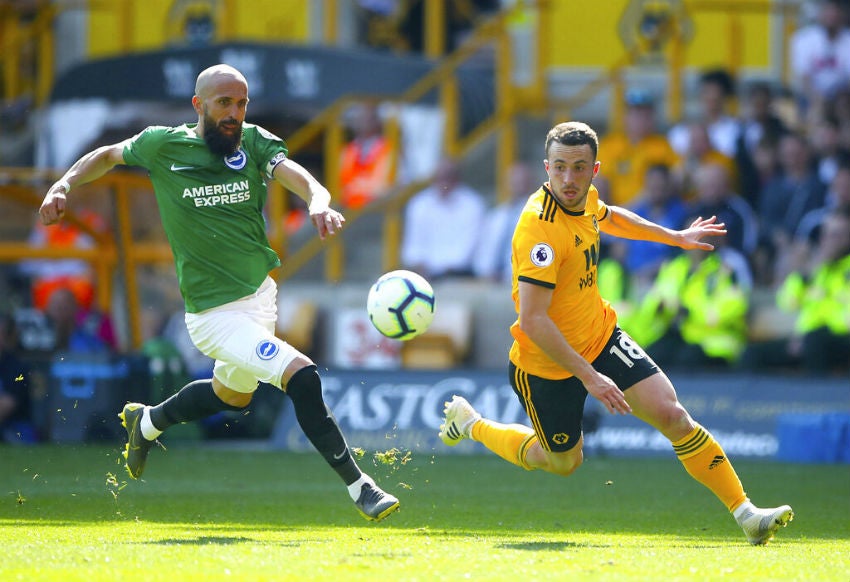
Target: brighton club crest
{"points": [[236, 160]]}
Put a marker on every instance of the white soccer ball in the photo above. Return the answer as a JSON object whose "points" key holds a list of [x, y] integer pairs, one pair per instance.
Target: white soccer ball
{"points": [[401, 304]]}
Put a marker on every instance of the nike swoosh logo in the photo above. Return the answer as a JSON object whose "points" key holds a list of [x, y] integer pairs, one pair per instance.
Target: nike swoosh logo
{"points": [[341, 455], [176, 168], [133, 437]]}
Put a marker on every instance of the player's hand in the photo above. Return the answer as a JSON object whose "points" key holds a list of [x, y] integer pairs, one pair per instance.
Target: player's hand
{"points": [[691, 237], [605, 391], [327, 221], [53, 206]]}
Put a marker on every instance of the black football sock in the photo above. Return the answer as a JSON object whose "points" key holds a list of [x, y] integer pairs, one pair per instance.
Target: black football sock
{"points": [[194, 401], [319, 424]]}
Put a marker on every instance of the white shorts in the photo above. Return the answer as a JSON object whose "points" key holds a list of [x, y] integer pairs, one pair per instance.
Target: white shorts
{"points": [[240, 337]]}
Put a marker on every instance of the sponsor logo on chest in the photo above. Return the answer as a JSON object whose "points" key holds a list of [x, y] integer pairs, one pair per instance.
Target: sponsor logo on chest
{"points": [[217, 194]]}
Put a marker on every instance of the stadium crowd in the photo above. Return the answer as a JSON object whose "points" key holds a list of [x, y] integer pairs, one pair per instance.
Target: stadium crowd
{"points": [[775, 295]]}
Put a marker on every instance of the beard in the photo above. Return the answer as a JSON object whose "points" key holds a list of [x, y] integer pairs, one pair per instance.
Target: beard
{"points": [[220, 142]]}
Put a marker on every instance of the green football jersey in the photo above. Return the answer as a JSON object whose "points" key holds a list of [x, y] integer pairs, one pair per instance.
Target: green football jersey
{"points": [[211, 208]]}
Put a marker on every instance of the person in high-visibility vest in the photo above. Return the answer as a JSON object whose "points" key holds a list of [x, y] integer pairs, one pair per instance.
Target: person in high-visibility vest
{"points": [[652, 315], [695, 312], [820, 342], [366, 167], [49, 275], [716, 302]]}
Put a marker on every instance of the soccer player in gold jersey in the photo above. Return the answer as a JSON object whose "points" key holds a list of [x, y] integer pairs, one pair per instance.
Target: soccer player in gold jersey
{"points": [[567, 342]]}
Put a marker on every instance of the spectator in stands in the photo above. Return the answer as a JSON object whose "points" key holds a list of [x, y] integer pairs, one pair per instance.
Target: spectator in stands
{"points": [[48, 275], [493, 257], [716, 90], [366, 169], [442, 225], [826, 147], [820, 298], [760, 125], [16, 424], [629, 153], [77, 329], [699, 152], [784, 200], [715, 197], [765, 158], [819, 54], [808, 232], [658, 201]]}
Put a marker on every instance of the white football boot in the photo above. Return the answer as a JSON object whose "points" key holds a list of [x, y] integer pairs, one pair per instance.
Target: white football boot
{"points": [[460, 416], [760, 525]]}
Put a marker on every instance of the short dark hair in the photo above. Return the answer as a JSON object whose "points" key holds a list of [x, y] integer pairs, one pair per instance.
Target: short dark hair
{"points": [[721, 78], [573, 133]]}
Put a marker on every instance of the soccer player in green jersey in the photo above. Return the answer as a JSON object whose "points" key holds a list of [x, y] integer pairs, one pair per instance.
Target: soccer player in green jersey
{"points": [[209, 179]]}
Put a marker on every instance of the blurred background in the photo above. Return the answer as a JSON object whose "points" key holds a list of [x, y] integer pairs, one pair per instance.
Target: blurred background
{"points": [[426, 120]]}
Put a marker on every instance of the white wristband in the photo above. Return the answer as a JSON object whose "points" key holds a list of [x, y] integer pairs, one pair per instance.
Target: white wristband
{"points": [[63, 182]]}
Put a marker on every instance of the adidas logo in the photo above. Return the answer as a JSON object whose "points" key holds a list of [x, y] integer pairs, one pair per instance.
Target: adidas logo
{"points": [[716, 461], [578, 241], [453, 432]]}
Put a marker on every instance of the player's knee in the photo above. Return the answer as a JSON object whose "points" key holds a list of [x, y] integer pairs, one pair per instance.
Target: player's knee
{"points": [[565, 464], [237, 399], [675, 420], [231, 397]]}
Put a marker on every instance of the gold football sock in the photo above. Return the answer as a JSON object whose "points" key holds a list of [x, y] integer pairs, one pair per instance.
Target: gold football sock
{"points": [[706, 462], [509, 441]]}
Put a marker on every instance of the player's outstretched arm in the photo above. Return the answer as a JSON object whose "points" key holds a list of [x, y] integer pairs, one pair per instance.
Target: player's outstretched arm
{"points": [[88, 168], [296, 178], [624, 223]]}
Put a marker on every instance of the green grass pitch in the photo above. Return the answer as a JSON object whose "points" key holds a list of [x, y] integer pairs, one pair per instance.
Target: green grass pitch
{"points": [[68, 513]]}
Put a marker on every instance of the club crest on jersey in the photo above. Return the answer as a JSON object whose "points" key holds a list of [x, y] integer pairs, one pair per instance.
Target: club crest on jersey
{"points": [[542, 255], [266, 350], [237, 160]]}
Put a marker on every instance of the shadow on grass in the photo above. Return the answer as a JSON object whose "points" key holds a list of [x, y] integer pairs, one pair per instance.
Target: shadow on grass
{"points": [[217, 541], [545, 546]]}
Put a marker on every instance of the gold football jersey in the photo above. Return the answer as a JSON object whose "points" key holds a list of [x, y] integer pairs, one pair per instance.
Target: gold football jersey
{"points": [[559, 249]]}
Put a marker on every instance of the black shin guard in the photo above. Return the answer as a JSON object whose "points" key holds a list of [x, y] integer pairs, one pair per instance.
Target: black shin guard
{"points": [[194, 401], [319, 424]]}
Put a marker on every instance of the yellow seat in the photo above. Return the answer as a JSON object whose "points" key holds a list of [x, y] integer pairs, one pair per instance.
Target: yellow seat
{"points": [[447, 342]]}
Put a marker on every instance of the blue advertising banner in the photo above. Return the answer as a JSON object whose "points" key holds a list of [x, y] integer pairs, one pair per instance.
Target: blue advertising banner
{"points": [[381, 410]]}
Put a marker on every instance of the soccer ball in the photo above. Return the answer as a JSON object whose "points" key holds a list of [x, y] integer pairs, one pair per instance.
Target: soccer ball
{"points": [[401, 304]]}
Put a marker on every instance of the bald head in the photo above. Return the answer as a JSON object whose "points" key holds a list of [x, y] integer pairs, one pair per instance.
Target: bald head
{"points": [[221, 100], [212, 77]]}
